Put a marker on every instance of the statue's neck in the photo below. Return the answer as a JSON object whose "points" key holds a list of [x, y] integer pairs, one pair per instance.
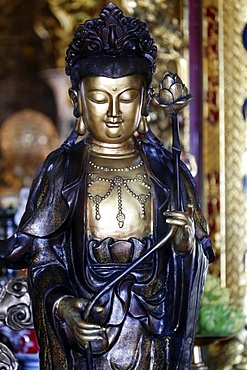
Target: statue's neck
{"points": [[123, 150]]}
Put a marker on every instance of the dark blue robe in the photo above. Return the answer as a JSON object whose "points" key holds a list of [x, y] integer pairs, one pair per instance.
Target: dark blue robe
{"points": [[163, 301]]}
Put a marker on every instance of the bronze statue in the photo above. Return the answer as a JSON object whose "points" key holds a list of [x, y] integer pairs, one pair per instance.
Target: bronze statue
{"points": [[115, 271]]}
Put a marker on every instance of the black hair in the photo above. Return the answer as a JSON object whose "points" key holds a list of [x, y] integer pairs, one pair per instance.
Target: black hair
{"points": [[112, 67]]}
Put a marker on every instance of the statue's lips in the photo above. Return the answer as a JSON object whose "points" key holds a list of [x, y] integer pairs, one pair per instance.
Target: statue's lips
{"points": [[112, 124]]}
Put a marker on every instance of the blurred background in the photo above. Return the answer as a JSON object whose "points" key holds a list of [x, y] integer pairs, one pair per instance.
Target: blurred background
{"points": [[205, 43]]}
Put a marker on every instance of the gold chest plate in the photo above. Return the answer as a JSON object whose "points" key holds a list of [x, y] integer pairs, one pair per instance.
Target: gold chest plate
{"points": [[119, 199]]}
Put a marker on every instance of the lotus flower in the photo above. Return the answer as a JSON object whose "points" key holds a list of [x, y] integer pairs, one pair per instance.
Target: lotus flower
{"points": [[173, 94]]}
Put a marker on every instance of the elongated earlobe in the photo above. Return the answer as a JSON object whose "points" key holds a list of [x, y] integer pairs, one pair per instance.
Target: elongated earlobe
{"points": [[75, 97], [143, 126], [147, 97], [80, 126]]}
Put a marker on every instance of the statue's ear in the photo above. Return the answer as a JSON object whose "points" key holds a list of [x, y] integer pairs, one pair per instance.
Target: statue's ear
{"points": [[75, 97], [146, 100]]}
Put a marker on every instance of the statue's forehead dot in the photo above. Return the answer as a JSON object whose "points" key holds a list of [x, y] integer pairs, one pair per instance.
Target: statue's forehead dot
{"points": [[114, 88]]}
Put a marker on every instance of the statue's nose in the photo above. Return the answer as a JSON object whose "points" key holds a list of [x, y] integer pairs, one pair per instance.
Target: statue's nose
{"points": [[114, 109]]}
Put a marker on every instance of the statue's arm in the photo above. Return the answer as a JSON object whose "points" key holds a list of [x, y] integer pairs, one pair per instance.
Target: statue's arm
{"points": [[53, 290], [184, 237], [190, 226], [200, 226], [69, 310]]}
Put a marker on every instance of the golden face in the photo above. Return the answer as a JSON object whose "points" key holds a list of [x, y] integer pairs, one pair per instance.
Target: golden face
{"points": [[111, 107]]}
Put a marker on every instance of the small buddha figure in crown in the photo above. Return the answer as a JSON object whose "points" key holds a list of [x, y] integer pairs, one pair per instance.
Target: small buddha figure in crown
{"points": [[96, 211]]}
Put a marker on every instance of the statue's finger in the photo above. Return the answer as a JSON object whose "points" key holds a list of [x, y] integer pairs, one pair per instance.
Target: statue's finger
{"points": [[176, 222], [89, 326], [97, 309], [176, 214], [190, 209]]}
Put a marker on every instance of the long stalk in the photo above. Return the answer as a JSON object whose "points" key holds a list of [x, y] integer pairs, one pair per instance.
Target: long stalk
{"points": [[176, 150]]}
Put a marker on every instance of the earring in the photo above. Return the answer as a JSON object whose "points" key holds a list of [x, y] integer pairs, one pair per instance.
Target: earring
{"points": [[80, 126], [143, 125]]}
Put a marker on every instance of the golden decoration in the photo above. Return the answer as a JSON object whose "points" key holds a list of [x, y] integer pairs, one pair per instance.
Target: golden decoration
{"points": [[230, 140], [173, 94], [57, 20], [26, 138]]}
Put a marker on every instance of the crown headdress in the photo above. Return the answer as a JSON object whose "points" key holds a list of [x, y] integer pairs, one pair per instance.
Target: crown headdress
{"points": [[112, 34]]}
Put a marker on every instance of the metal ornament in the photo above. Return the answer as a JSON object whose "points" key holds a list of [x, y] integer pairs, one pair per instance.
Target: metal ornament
{"points": [[173, 96]]}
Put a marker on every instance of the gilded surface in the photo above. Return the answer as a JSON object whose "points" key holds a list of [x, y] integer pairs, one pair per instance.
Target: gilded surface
{"points": [[36, 135], [235, 91], [56, 21], [211, 125], [226, 142], [167, 24]]}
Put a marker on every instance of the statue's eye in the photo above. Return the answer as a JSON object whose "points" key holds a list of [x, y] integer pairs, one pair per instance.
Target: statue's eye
{"points": [[98, 98], [128, 96], [17, 287]]}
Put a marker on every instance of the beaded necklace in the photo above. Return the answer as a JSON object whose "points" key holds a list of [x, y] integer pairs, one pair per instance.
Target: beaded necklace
{"points": [[118, 182]]}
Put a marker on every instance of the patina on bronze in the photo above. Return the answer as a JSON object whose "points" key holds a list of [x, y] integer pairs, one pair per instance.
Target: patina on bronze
{"points": [[115, 271]]}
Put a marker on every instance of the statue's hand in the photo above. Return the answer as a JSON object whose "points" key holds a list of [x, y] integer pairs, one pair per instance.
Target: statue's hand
{"points": [[69, 310], [183, 229]]}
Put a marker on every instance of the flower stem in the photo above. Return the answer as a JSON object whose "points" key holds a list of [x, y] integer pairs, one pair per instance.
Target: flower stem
{"points": [[176, 150]]}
